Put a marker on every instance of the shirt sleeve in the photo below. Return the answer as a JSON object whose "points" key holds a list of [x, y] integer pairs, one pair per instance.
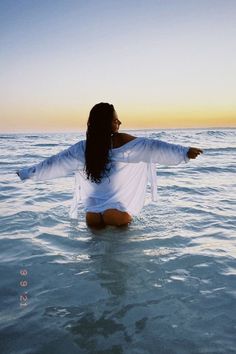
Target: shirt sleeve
{"points": [[59, 165], [158, 151]]}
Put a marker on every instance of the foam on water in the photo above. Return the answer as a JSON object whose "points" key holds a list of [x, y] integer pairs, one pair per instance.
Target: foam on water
{"points": [[166, 284]]}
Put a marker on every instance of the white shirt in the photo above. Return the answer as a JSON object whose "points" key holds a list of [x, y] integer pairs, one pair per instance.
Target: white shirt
{"points": [[133, 165]]}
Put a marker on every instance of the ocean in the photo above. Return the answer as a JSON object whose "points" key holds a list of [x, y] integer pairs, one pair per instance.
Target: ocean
{"points": [[164, 285]]}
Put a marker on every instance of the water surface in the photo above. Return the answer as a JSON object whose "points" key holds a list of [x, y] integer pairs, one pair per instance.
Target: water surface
{"points": [[166, 284]]}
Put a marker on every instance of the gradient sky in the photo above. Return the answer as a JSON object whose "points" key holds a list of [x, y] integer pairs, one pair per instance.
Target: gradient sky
{"points": [[162, 63]]}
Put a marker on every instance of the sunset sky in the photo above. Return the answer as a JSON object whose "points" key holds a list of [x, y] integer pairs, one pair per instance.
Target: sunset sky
{"points": [[162, 63]]}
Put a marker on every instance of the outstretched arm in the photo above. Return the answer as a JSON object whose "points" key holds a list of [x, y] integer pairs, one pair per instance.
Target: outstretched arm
{"points": [[158, 151], [58, 165], [171, 154]]}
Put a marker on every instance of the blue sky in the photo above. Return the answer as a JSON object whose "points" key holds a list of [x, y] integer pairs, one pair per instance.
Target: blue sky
{"points": [[161, 63]]}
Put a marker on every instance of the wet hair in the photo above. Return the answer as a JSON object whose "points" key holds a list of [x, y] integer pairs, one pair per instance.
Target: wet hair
{"points": [[98, 141]]}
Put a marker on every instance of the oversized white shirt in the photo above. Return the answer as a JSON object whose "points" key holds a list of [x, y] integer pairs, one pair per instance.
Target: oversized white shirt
{"points": [[132, 166]]}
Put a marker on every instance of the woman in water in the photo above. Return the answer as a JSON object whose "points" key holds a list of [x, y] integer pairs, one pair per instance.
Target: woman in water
{"points": [[112, 168]]}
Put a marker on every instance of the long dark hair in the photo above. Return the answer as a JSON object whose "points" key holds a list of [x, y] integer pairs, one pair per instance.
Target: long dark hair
{"points": [[98, 141]]}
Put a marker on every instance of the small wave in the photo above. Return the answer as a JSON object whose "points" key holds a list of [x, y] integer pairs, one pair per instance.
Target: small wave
{"points": [[217, 133], [7, 137], [157, 135], [222, 149], [215, 169], [26, 157], [43, 145], [32, 136]]}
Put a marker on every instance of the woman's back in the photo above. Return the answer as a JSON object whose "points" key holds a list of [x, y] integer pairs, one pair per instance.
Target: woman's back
{"points": [[123, 188]]}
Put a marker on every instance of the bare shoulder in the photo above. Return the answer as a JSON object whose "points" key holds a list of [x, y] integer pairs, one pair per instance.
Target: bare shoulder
{"points": [[120, 139], [125, 138]]}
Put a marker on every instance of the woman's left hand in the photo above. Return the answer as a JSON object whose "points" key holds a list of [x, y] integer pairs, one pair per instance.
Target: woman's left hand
{"points": [[194, 152]]}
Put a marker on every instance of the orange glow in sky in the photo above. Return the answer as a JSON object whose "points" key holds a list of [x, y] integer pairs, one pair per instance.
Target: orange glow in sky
{"points": [[162, 64]]}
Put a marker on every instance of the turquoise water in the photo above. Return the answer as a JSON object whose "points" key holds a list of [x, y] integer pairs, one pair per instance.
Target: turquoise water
{"points": [[166, 284]]}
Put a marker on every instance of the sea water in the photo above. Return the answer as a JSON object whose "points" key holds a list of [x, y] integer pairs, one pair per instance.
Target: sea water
{"points": [[166, 284]]}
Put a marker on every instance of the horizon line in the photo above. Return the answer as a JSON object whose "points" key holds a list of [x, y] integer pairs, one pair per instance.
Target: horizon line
{"points": [[121, 130]]}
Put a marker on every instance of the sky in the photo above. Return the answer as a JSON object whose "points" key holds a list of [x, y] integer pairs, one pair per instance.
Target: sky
{"points": [[161, 63]]}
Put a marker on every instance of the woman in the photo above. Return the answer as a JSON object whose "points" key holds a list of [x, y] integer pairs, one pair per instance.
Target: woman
{"points": [[112, 168]]}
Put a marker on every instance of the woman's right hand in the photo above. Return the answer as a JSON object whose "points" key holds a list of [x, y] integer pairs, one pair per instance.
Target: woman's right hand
{"points": [[194, 152]]}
